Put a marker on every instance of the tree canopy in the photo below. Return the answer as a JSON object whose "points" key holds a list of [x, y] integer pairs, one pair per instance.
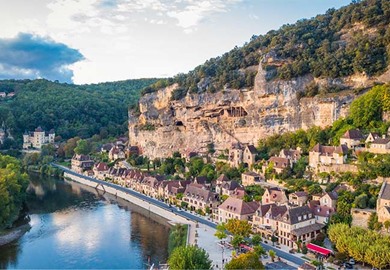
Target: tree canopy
{"points": [[13, 186], [71, 110], [189, 257]]}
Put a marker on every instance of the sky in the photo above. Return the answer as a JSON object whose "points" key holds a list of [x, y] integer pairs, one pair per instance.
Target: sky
{"points": [[92, 41]]}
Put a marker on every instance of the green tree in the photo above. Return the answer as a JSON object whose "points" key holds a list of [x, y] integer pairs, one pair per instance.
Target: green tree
{"points": [[84, 147], [272, 254], [256, 239], [189, 257], [249, 260], [221, 231], [239, 227], [13, 185]]}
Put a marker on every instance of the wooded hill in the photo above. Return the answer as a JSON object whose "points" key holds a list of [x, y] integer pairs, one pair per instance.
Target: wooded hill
{"points": [[71, 110], [352, 39]]}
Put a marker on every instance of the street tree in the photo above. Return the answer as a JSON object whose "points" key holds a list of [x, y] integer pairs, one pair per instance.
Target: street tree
{"points": [[250, 260], [189, 257], [239, 227]]}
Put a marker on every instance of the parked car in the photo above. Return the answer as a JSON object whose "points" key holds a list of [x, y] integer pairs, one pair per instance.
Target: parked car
{"points": [[351, 261], [348, 266]]}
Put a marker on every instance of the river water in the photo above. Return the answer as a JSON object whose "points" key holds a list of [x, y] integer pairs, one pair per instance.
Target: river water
{"points": [[74, 226]]}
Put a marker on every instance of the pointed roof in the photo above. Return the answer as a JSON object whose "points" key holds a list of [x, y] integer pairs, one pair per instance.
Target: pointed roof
{"points": [[353, 134], [238, 206], [222, 178], [252, 149]]}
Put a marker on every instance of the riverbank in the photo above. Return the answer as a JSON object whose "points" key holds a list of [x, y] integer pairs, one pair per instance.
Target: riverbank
{"points": [[198, 233], [11, 235]]}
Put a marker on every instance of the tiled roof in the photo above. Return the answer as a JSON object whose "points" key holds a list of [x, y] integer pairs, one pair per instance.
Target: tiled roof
{"points": [[238, 206], [231, 185], [251, 174], [353, 134], [300, 193], [101, 166], [384, 193], [222, 178], [297, 214], [329, 150], [333, 195], [381, 141], [280, 162], [199, 191], [252, 149], [307, 229]]}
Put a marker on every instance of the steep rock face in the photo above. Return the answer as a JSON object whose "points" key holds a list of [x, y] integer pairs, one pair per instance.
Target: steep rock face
{"points": [[231, 115]]}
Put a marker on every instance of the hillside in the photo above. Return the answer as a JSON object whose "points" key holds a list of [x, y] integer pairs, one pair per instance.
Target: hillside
{"points": [[302, 75], [352, 40], [71, 110]]}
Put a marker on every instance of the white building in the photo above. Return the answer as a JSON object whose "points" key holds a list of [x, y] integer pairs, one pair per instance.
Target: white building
{"points": [[37, 138]]}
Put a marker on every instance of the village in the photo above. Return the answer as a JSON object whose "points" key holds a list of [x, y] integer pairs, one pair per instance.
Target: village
{"points": [[289, 217]]}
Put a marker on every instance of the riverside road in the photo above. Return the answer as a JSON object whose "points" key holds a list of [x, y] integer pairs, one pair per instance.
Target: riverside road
{"points": [[185, 214]]}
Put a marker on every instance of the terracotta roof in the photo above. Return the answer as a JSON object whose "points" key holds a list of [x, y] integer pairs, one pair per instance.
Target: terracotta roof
{"points": [[353, 134], [238, 206], [381, 141]]}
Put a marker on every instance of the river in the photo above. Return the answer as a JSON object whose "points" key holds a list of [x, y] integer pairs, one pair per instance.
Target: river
{"points": [[74, 226]]}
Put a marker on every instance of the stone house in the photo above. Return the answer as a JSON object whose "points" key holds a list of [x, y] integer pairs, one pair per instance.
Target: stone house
{"points": [[372, 137], [298, 198], [352, 138], [327, 155], [250, 178], [242, 155], [324, 206], [278, 163], [199, 197], [227, 188], [380, 146], [234, 208], [274, 195], [100, 170], [81, 163], [297, 224], [37, 138], [288, 224], [292, 155], [383, 202], [116, 153]]}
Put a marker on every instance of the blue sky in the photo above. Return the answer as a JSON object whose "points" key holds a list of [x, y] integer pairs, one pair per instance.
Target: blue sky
{"points": [[90, 41]]}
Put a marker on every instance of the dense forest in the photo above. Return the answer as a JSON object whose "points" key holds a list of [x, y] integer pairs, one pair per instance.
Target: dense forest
{"points": [[13, 186], [71, 110], [352, 39]]}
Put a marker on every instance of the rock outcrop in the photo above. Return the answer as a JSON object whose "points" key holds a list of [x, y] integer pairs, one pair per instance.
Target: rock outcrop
{"points": [[230, 116]]}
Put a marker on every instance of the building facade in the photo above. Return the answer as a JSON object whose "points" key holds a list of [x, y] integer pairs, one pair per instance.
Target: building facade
{"points": [[37, 138]]}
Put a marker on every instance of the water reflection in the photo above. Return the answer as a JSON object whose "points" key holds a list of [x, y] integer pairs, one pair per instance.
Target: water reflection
{"points": [[76, 227]]}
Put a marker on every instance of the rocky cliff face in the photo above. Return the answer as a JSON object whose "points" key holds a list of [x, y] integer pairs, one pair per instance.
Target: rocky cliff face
{"points": [[231, 115]]}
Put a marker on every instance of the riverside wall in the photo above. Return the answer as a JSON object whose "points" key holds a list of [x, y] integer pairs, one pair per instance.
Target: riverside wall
{"points": [[171, 217]]}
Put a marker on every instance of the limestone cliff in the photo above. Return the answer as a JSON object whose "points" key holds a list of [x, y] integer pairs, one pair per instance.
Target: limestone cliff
{"points": [[229, 116]]}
